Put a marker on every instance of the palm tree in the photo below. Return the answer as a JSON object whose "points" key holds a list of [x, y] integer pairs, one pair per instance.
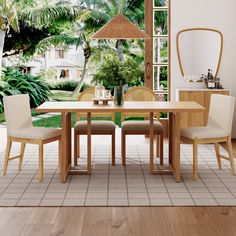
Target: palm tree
{"points": [[78, 39], [42, 16], [98, 13], [92, 15], [8, 18]]}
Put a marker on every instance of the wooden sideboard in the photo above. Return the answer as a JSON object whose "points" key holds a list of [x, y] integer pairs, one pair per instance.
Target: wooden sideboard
{"points": [[201, 96]]}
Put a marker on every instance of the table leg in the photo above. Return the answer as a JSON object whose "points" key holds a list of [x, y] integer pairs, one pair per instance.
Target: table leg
{"points": [[174, 144], [151, 137], [66, 145], [89, 143]]}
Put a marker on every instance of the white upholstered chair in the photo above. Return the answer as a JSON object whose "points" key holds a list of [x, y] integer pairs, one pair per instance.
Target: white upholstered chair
{"points": [[98, 127], [218, 130], [20, 129], [140, 127]]}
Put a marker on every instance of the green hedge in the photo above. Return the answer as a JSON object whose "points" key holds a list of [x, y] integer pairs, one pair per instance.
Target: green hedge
{"points": [[66, 85]]}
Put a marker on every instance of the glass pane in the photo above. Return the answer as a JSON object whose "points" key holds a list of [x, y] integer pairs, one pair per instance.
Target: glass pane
{"points": [[161, 78], [160, 22], [163, 97], [160, 3], [160, 50]]}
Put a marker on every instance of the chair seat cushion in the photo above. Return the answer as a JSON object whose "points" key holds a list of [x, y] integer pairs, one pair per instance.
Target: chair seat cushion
{"points": [[96, 126], [203, 132], [35, 133], [141, 126]]}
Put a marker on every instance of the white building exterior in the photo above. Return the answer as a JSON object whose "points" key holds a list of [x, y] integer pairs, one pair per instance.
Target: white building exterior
{"points": [[66, 62], [62, 63]]}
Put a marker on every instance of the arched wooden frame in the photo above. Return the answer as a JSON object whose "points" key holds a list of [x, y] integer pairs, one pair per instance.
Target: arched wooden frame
{"points": [[199, 29]]}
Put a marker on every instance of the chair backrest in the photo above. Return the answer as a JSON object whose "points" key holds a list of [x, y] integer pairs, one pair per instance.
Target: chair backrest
{"points": [[139, 94], [17, 112], [86, 96], [221, 112]]}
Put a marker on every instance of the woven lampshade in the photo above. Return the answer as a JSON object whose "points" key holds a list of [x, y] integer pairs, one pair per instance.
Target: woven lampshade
{"points": [[120, 27]]}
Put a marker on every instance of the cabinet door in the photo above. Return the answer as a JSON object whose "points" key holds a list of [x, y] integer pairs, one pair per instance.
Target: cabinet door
{"points": [[208, 100], [184, 116], [196, 118]]}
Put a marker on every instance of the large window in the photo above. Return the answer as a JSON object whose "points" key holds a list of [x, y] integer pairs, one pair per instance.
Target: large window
{"points": [[161, 48]]}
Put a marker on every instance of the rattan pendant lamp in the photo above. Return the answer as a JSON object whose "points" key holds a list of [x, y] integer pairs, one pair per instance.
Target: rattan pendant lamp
{"points": [[120, 27]]}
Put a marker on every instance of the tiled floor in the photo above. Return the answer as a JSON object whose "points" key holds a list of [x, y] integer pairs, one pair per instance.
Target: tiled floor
{"points": [[117, 186]]}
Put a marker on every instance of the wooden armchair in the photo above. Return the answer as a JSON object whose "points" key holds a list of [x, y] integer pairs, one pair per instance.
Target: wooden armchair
{"points": [[141, 127], [218, 130], [99, 127], [21, 130]]}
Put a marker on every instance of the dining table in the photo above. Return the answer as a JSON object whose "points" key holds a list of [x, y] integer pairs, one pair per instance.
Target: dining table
{"points": [[173, 108]]}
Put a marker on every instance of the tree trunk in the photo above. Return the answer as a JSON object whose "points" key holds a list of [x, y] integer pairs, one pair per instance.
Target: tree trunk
{"points": [[2, 38], [87, 55], [81, 82], [119, 47]]}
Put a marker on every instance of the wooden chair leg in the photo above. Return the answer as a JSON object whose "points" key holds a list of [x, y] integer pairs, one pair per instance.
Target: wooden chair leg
{"points": [[158, 146], [40, 161], [75, 148], [78, 146], [231, 155], [195, 159], [123, 148], [113, 137], [60, 154], [161, 144], [217, 150], [7, 155], [22, 151]]}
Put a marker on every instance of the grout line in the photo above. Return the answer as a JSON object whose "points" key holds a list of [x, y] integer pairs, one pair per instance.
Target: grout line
{"points": [[140, 162], [109, 166]]}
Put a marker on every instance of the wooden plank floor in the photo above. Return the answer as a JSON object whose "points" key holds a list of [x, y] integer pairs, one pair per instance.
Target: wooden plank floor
{"points": [[118, 221]]}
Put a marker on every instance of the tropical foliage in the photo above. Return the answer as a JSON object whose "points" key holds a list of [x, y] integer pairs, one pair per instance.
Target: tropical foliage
{"points": [[15, 82], [97, 13], [43, 24], [39, 21], [116, 73]]}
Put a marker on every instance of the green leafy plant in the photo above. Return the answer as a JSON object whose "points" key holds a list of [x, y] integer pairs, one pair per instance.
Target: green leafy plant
{"points": [[15, 82], [113, 73], [65, 85]]}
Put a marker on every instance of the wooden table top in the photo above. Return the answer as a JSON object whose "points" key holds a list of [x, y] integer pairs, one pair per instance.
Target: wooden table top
{"points": [[127, 107]]}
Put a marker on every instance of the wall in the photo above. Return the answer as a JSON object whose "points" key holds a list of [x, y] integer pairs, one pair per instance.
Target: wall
{"points": [[216, 14]]}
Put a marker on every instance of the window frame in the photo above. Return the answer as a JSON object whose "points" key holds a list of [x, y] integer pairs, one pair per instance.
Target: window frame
{"points": [[149, 45]]}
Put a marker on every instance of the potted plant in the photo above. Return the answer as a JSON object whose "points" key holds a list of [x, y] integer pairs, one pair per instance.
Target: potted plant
{"points": [[114, 74]]}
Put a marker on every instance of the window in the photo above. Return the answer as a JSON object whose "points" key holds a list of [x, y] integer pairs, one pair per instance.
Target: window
{"points": [[64, 74], [60, 53], [161, 48]]}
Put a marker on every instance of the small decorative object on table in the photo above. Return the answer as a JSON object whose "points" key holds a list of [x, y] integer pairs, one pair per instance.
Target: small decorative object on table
{"points": [[119, 95], [102, 95], [193, 82], [115, 74], [212, 82], [99, 91], [103, 101]]}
